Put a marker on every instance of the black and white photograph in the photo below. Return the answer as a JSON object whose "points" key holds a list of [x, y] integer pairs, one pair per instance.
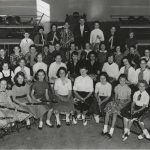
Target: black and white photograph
{"points": [[74, 74]]}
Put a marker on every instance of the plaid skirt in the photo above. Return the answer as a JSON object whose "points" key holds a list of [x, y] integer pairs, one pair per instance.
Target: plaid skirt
{"points": [[64, 106], [115, 106], [83, 106], [126, 112], [96, 109]]}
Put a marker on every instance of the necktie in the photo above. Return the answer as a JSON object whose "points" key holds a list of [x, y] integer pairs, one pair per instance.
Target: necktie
{"points": [[139, 97], [126, 71], [42, 39], [140, 76], [26, 40], [112, 40]]}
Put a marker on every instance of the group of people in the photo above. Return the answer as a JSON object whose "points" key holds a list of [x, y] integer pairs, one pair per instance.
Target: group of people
{"points": [[71, 72]]}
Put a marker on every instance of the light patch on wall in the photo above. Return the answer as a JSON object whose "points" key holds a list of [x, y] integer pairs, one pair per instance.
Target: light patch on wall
{"points": [[96, 10], [43, 7]]}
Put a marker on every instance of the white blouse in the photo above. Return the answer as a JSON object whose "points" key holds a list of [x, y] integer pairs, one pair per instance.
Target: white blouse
{"points": [[6, 74], [103, 90], [144, 100], [111, 69], [83, 84], [39, 65], [63, 88]]}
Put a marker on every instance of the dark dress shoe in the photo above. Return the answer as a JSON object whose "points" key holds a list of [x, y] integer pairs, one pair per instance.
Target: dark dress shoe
{"points": [[68, 123], [28, 127], [58, 125], [109, 136], [104, 133], [51, 126]]}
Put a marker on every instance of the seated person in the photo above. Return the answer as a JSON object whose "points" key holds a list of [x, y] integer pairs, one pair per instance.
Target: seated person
{"points": [[83, 90], [63, 92]]}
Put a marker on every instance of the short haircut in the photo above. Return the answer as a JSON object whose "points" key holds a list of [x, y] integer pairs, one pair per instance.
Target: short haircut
{"points": [[20, 73], [105, 75], [144, 82], [122, 76], [37, 73], [61, 68]]}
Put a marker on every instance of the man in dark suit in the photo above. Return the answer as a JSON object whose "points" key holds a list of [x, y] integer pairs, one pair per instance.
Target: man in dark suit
{"points": [[81, 34]]}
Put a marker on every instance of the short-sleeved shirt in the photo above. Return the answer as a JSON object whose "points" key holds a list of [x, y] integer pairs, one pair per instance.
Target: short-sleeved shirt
{"points": [[40, 88], [144, 98], [123, 92], [103, 89], [83, 84], [63, 88], [20, 90]]}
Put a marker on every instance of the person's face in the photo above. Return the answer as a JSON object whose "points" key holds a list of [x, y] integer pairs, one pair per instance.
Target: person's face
{"points": [[75, 57], [83, 72], [103, 47], [16, 49], [92, 57], [39, 58], [3, 85], [22, 63], [110, 59], [96, 25], [147, 53], [143, 64], [131, 35], [122, 81], [20, 79], [54, 28], [142, 87], [103, 79], [46, 49], [132, 50], [118, 49], [41, 31], [62, 73], [66, 26], [32, 49], [113, 30], [125, 62], [5, 66], [87, 46], [26, 35], [82, 21], [57, 47], [72, 47], [58, 59], [2, 52], [41, 76]]}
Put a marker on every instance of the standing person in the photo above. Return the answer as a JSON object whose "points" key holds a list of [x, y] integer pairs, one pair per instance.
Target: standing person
{"points": [[135, 110], [40, 64], [83, 90], [39, 92], [112, 39], [66, 38], [118, 56], [40, 39], [82, 34], [87, 49], [53, 36], [103, 91], [54, 68], [7, 74], [63, 92], [96, 36], [121, 99], [15, 57], [25, 43]]}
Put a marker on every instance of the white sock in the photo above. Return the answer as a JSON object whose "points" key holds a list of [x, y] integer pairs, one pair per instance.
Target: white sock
{"points": [[105, 128], [67, 118], [126, 130], [145, 132], [83, 117], [111, 131], [57, 119], [28, 122]]}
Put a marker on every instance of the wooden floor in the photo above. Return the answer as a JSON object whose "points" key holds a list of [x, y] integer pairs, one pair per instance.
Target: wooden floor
{"points": [[72, 137]]}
